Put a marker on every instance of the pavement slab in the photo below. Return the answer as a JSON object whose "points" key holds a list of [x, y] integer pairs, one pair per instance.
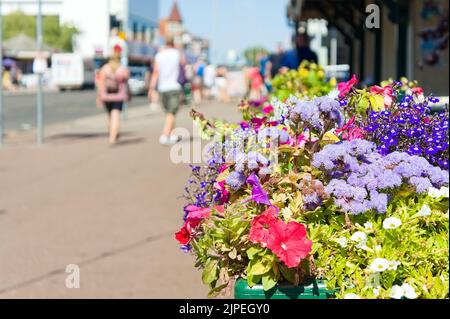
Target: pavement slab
{"points": [[112, 211]]}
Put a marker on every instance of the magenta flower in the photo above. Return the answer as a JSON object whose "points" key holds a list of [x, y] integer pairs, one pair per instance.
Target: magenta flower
{"points": [[268, 109], [258, 122], [345, 87], [258, 194]]}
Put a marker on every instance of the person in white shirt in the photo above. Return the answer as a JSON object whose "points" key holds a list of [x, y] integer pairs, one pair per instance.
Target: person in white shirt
{"points": [[165, 79]]}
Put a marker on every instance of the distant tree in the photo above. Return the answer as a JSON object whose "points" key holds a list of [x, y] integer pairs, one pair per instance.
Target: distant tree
{"points": [[55, 35], [252, 54]]}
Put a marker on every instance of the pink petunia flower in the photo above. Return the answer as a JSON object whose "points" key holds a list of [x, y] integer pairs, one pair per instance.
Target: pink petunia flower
{"points": [[387, 92], [345, 87], [417, 90], [353, 133], [259, 232], [289, 242]]}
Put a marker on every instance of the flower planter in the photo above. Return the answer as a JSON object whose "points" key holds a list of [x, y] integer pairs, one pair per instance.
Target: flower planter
{"points": [[315, 290]]}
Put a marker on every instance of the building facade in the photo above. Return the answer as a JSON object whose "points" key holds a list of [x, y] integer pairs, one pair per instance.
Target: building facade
{"points": [[412, 38], [137, 20]]}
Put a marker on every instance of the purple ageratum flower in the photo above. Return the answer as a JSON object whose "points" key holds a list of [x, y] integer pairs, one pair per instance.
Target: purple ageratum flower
{"points": [[422, 184], [255, 159], [326, 104], [355, 174], [236, 180], [378, 201], [273, 133]]}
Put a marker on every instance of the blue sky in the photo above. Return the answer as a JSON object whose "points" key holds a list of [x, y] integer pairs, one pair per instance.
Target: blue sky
{"points": [[234, 24]]}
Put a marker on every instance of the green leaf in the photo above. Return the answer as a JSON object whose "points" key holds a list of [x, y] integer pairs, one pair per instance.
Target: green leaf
{"points": [[211, 272], [259, 266], [288, 273], [269, 281], [253, 280], [252, 251], [215, 292]]}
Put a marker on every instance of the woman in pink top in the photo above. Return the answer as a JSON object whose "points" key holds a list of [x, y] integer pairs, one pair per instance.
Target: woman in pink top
{"points": [[256, 83], [113, 91]]}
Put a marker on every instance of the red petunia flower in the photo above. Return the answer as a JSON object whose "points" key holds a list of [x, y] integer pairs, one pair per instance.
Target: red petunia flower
{"points": [[259, 232], [289, 242], [183, 236]]}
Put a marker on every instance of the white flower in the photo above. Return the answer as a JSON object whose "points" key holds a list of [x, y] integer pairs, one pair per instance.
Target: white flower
{"points": [[368, 226], [333, 94], [377, 248], [405, 290], [397, 292], [438, 193], [351, 296], [434, 192], [445, 191], [391, 223], [409, 291], [358, 236], [376, 291], [394, 264], [362, 245], [424, 211], [342, 242], [379, 264]]}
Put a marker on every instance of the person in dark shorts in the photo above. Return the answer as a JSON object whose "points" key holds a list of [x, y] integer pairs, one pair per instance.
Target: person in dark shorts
{"points": [[113, 91], [165, 79]]}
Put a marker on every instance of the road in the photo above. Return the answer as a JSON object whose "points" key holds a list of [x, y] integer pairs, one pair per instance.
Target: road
{"points": [[20, 110]]}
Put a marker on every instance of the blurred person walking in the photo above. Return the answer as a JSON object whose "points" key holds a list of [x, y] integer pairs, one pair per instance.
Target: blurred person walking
{"points": [[209, 79], [165, 79], [222, 84], [276, 61], [302, 52], [113, 91], [256, 83], [197, 82]]}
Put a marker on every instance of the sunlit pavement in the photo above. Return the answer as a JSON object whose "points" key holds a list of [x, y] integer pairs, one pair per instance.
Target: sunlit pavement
{"points": [[110, 210]]}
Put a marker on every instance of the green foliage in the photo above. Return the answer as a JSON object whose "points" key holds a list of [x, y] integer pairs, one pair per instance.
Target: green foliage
{"points": [[308, 81], [419, 246], [55, 35]]}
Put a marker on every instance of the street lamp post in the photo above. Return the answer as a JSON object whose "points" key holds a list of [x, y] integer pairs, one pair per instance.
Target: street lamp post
{"points": [[39, 102], [1, 77]]}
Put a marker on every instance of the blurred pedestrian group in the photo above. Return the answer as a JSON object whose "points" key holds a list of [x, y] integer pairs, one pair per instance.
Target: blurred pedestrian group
{"points": [[259, 78]]}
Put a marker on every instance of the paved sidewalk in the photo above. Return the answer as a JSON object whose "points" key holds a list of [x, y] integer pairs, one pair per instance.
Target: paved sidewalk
{"points": [[111, 210]]}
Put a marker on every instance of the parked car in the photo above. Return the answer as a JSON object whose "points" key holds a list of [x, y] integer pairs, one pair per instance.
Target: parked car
{"points": [[139, 80]]}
